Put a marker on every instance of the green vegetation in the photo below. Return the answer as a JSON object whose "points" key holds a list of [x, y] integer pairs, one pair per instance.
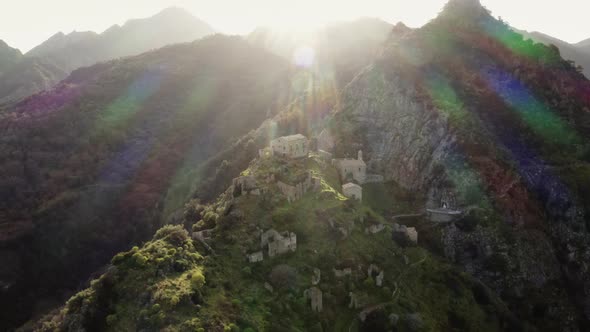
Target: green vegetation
{"points": [[166, 284]]}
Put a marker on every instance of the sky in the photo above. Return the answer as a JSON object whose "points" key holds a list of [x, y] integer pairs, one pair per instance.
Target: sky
{"points": [[27, 23]]}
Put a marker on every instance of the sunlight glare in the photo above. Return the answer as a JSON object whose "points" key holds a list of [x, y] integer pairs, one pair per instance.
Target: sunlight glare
{"points": [[304, 56]]}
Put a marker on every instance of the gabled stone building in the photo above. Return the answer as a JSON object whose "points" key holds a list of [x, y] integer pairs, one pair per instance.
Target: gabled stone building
{"points": [[293, 146], [352, 168], [278, 243]]}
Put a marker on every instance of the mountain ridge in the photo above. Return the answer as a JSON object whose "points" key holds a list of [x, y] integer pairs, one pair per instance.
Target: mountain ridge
{"points": [[54, 59]]}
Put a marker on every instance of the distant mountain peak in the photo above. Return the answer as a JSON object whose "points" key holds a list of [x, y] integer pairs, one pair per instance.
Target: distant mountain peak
{"points": [[8, 53], [174, 10], [463, 10], [400, 28]]}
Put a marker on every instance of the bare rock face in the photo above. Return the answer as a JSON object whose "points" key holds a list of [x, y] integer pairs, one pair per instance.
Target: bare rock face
{"points": [[404, 140]]}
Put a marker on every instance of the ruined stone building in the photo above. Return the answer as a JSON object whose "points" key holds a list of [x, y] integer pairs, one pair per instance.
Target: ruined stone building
{"points": [[295, 192], [353, 190], [349, 168], [315, 294], [374, 229], [294, 146], [245, 185], [278, 243], [255, 257], [404, 235]]}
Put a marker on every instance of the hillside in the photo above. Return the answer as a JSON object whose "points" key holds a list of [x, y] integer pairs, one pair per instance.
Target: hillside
{"points": [[463, 114], [81, 49], [8, 56], [468, 112], [167, 285], [576, 52], [86, 165], [47, 64]]}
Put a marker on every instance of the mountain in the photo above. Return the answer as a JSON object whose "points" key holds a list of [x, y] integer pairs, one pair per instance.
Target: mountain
{"points": [[584, 45], [468, 111], [463, 113], [80, 49], [8, 56], [54, 59], [575, 52], [88, 165]]}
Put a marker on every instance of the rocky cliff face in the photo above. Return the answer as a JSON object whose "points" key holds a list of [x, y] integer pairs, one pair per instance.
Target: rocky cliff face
{"points": [[404, 140], [459, 107]]}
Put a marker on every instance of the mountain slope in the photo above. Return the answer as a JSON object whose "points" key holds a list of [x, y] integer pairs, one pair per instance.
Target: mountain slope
{"points": [[568, 51], [53, 60], [164, 286], [584, 45], [468, 112], [8, 56], [87, 164], [80, 49]]}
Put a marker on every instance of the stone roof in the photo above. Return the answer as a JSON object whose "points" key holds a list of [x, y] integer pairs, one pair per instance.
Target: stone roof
{"points": [[349, 162], [295, 137], [351, 185]]}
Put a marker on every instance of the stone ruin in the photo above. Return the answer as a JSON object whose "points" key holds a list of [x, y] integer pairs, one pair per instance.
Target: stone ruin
{"points": [[374, 229], [342, 273], [316, 277], [380, 274], [296, 192], [292, 146], [255, 257], [403, 235], [352, 190], [278, 243], [348, 167], [204, 235], [245, 185], [315, 294]]}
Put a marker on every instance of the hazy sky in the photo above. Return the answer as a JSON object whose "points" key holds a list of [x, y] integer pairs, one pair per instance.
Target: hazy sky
{"points": [[26, 23]]}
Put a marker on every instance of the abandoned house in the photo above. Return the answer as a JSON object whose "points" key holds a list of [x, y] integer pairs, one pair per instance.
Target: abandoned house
{"points": [[293, 146], [296, 192], [352, 169], [278, 243], [255, 257], [353, 190], [374, 229], [342, 273], [403, 235]]}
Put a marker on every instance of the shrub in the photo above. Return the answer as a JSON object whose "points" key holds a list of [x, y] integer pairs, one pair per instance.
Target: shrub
{"points": [[283, 276], [231, 328], [197, 280], [174, 234], [118, 259], [139, 259]]}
